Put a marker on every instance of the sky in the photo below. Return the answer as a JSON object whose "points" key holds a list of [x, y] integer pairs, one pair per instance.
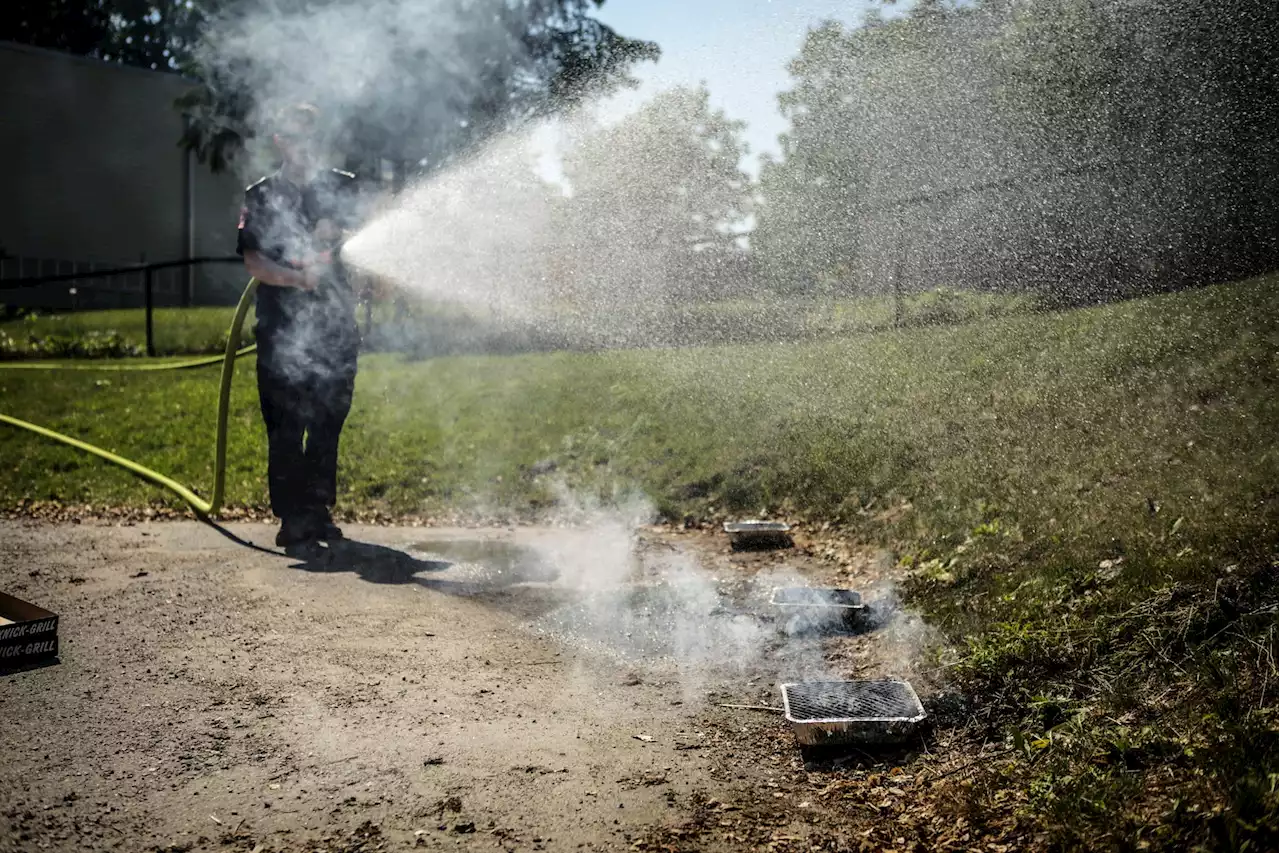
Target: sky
{"points": [[739, 48]]}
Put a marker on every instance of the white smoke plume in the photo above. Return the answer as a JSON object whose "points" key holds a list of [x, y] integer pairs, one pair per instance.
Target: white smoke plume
{"points": [[666, 612], [408, 70]]}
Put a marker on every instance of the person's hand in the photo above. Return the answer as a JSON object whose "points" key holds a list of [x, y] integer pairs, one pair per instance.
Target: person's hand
{"points": [[308, 278], [313, 275]]}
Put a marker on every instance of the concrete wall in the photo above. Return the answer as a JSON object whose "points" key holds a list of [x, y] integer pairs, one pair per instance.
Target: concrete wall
{"points": [[91, 172]]}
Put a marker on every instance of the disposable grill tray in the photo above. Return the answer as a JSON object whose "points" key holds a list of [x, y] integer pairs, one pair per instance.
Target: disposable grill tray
{"points": [[758, 534], [806, 609], [851, 712]]}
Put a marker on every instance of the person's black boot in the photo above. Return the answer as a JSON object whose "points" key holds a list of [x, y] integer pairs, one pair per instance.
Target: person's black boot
{"points": [[294, 531], [324, 528]]}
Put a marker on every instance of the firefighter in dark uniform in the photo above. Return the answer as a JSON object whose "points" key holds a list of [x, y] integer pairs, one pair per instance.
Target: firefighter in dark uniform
{"points": [[291, 226]]}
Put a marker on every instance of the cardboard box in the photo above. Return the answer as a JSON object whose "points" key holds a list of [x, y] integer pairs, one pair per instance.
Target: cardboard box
{"points": [[28, 635]]}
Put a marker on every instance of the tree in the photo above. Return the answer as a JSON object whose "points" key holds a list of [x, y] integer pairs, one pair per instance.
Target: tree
{"points": [[811, 196], [1177, 100], [155, 34], [413, 82], [499, 61], [658, 203], [863, 101], [1088, 147]]}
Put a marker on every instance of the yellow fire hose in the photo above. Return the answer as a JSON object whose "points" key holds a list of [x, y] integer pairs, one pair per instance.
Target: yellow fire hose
{"points": [[203, 508]]}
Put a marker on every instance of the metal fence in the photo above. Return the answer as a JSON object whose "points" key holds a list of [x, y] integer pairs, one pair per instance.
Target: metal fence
{"points": [[52, 285]]}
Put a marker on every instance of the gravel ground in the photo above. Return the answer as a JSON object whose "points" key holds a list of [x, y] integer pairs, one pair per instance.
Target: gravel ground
{"points": [[518, 689]]}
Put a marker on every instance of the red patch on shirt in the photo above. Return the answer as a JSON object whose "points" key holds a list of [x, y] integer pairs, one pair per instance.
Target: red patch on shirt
{"points": [[243, 212]]}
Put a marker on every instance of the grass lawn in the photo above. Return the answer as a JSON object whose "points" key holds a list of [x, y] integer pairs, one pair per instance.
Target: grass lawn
{"points": [[1063, 425], [1086, 501], [432, 329]]}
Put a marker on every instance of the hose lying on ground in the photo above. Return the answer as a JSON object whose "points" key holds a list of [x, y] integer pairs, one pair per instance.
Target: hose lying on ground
{"points": [[203, 508]]}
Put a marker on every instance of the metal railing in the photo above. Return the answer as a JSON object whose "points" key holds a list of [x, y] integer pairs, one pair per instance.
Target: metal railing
{"points": [[147, 271]]}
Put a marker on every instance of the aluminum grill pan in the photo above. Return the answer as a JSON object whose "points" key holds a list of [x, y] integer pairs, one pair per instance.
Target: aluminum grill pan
{"points": [[815, 609], [865, 712]]}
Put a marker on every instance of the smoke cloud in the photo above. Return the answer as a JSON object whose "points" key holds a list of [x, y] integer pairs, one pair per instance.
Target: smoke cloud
{"points": [[401, 76], [590, 263], [665, 610]]}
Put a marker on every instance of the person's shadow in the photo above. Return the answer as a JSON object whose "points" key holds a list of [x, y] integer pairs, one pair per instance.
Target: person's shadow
{"points": [[373, 563], [496, 574]]}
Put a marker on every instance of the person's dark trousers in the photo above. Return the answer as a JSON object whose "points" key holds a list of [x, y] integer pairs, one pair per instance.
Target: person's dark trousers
{"points": [[304, 413]]}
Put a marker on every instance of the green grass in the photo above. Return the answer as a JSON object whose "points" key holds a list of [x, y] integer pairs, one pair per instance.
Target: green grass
{"points": [[799, 318], [117, 333], [432, 330], [1062, 425], [1086, 503]]}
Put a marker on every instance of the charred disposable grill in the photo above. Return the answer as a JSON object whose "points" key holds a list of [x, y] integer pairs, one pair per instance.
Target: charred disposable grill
{"points": [[752, 535], [804, 609], [851, 712]]}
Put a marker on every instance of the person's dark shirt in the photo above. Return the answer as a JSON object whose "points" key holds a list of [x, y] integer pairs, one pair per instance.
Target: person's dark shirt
{"points": [[278, 219]]}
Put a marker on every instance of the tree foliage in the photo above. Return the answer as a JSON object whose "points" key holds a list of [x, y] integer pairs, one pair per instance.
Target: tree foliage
{"points": [[539, 56], [812, 195], [434, 80], [154, 34], [658, 199], [1096, 146]]}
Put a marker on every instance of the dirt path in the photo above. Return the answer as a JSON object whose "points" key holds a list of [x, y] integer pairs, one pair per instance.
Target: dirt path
{"points": [[530, 689]]}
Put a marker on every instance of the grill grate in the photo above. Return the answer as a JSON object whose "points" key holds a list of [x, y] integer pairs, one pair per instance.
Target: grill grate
{"points": [[835, 712], [850, 700]]}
